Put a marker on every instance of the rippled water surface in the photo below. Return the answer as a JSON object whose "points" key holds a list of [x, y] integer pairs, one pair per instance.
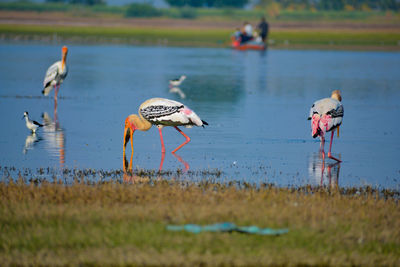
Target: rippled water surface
{"points": [[256, 104]]}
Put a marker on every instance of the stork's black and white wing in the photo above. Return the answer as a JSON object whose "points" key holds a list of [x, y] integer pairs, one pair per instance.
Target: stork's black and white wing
{"points": [[55, 75], [328, 106], [51, 74], [165, 112]]}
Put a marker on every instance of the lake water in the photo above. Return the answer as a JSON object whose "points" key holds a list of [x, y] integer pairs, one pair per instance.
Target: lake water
{"points": [[256, 104]]}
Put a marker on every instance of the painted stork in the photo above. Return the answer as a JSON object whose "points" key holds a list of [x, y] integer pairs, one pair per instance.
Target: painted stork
{"points": [[326, 115], [176, 82], [56, 74], [161, 112], [30, 124]]}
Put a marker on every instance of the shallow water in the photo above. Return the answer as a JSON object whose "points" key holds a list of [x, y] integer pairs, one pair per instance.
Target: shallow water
{"points": [[256, 104]]}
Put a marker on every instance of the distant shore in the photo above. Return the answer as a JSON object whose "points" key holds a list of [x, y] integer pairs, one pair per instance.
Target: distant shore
{"points": [[63, 28]]}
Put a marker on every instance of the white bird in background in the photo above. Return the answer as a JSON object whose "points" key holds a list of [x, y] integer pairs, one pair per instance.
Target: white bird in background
{"points": [[326, 115], [177, 82], [161, 112], [30, 124], [56, 74]]}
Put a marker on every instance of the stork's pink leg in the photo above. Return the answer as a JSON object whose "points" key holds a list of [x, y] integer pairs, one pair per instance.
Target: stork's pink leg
{"points": [[56, 91], [322, 144], [162, 141], [184, 143], [330, 147], [162, 161]]}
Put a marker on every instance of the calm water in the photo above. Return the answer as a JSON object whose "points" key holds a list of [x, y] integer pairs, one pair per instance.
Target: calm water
{"points": [[255, 102]]}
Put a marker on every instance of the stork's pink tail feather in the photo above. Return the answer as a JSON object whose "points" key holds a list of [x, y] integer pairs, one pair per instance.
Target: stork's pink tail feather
{"points": [[315, 125]]}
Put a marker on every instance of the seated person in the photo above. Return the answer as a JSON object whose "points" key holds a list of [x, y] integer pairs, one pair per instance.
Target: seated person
{"points": [[247, 32]]}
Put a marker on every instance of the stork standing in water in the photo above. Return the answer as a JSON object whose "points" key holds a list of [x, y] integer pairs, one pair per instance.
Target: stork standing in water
{"points": [[326, 115], [176, 82], [56, 74], [161, 112]]}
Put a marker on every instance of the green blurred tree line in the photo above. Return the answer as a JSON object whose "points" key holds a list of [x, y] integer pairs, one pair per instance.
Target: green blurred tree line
{"points": [[284, 4], [338, 5], [208, 3], [82, 2]]}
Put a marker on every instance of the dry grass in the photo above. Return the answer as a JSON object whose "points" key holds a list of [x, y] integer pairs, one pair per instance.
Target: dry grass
{"points": [[119, 224]]}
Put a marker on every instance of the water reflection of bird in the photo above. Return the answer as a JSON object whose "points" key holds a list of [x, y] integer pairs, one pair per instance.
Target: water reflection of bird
{"points": [[56, 74], [54, 136], [30, 124], [179, 158], [129, 176], [326, 115], [178, 91], [30, 141], [176, 82], [161, 112], [316, 170]]}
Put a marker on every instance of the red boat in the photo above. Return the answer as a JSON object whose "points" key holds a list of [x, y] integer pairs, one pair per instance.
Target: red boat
{"points": [[250, 45]]}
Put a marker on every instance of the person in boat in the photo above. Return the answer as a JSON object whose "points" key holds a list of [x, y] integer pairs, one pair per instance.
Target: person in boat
{"points": [[263, 29], [236, 37], [247, 32]]}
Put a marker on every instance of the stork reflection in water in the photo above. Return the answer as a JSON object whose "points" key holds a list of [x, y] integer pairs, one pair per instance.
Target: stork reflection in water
{"points": [[54, 136], [324, 173]]}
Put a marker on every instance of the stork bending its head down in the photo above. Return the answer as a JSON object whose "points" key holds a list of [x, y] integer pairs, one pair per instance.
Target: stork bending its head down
{"points": [[161, 112]]}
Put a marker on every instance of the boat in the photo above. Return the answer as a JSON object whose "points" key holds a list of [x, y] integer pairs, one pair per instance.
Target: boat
{"points": [[250, 45]]}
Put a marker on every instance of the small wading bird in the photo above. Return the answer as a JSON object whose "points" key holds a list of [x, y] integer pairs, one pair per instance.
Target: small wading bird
{"points": [[56, 74], [161, 112], [176, 82], [30, 124], [326, 115]]}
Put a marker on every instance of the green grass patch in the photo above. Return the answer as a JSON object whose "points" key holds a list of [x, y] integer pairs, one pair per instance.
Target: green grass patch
{"points": [[337, 38], [119, 224], [196, 37]]}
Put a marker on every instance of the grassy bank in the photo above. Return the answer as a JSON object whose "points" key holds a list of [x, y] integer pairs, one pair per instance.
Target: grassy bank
{"points": [[113, 223], [128, 35], [199, 37]]}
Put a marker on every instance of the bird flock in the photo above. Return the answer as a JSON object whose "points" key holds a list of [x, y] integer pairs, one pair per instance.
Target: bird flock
{"points": [[326, 114]]}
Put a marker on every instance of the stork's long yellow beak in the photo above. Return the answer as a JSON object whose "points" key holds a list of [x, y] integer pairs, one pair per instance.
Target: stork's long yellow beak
{"points": [[126, 138], [64, 56], [128, 135], [338, 131]]}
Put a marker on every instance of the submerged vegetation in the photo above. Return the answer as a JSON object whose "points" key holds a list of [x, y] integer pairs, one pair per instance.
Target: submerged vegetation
{"points": [[123, 221]]}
